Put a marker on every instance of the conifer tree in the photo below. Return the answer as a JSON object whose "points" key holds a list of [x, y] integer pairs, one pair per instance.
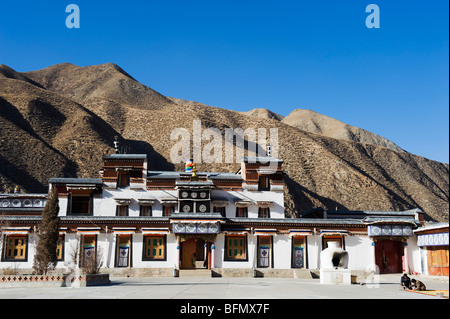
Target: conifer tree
{"points": [[46, 257]]}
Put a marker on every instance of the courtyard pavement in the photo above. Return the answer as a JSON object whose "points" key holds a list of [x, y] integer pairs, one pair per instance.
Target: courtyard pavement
{"points": [[190, 288]]}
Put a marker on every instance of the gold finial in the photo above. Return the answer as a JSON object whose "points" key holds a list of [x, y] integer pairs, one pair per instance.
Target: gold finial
{"points": [[194, 176]]}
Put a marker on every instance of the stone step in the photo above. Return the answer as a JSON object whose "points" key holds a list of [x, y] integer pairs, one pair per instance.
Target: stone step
{"points": [[195, 273], [284, 273]]}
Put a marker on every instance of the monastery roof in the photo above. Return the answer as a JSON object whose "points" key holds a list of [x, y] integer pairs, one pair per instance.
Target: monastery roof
{"points": [[390, 220], [76, 180], [224, 176], [433, 226], [125, 156], [261, 159], [194, 184], [22, 195], [163, 174], [177, 175], [318, 213]]}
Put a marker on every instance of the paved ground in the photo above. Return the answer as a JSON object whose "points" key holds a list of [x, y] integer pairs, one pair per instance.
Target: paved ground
{"points": [[191, 288]]}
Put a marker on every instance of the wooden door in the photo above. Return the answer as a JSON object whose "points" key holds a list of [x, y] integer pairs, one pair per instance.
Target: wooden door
{"points": [[188, 252], [388, 256], [437, 261]]}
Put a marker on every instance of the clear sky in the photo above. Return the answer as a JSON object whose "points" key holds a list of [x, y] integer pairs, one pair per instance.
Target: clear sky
{"points": [[280, 55]]}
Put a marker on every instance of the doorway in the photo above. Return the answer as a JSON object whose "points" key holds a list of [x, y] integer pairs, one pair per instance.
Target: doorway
{"points": [[195, 254], [388, 256], [264, 251]]}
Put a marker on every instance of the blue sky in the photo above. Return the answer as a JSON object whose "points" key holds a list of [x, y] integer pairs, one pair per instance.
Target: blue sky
{"points": [[279, 55]]}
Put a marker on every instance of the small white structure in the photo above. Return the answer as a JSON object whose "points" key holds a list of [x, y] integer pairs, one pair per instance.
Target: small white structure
{"points": [[334, 265]]}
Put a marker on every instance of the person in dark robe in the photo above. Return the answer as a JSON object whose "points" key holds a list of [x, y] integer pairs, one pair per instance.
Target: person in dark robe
{"points": [[405, 282]]}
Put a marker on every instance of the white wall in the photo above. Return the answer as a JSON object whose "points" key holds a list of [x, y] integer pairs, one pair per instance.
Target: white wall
{"points": [[282, 253], [360, 252], [277, 211], [415, 257], [314, 247]]}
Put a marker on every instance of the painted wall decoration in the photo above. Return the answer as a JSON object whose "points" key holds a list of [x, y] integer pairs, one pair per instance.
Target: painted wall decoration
{"points": [[196, 228], [390, 230], [439, 239]]}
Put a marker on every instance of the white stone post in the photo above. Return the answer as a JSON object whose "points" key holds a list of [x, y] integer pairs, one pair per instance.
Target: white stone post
{"points": [[405, 254], [177, 264], [213, 254]]}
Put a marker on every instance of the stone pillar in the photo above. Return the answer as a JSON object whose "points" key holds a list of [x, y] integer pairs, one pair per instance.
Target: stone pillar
{"points": [[405, 256], [374, 260], [177, 264], [213, 253]]}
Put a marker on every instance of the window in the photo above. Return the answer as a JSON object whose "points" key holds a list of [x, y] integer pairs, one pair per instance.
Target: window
{"points": [[123, 250], [123, 180], [16, 248], [236, 248], [154, 248], [264, 183], [80, 204], [168, 210], [145, 211], [241, 212], [263, 212], [122, 210], [220, 210], [298, 251], [60, 248]]}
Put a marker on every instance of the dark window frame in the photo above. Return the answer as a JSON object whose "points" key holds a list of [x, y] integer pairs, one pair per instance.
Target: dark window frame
{"points": [[260, 212], [245, 211], [144, 247], [226, 256], [127, 210], [6, 245]]}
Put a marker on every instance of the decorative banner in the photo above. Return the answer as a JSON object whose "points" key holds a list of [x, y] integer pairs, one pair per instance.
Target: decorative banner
{"points": [[264, 256], [123, 255], [266, 232], [196, 228], [390, 230], [439, 239], [298, 256], [189, 165]]}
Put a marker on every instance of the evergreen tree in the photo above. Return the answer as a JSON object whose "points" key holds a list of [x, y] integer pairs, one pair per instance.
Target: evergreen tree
{"points": [[46, 257]]}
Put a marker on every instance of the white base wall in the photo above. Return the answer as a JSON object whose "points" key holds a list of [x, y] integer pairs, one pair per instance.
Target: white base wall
{"points": [[359, 248]]}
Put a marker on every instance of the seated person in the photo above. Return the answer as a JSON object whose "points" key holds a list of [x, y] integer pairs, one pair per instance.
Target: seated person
{"points": [[405, 282], [417, 285]]}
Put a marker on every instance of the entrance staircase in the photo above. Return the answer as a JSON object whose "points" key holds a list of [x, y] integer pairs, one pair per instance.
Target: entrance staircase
{"points": [[195, 273]]}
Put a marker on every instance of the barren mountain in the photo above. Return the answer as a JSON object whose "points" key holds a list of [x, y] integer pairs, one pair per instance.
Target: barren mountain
{"points": [[263, 114], [59, 121], [314, 122]]}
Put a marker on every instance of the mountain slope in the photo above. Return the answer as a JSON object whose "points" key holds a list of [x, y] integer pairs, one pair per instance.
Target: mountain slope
{"points": [[320, 170], [264, 114], [43, 134], [314, 122]]}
